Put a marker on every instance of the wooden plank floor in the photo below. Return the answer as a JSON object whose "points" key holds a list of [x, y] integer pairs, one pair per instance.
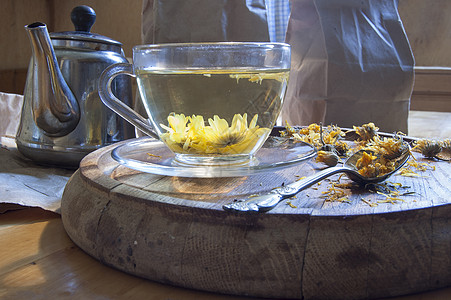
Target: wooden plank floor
{"points": [[430, 124], [39, 261]]}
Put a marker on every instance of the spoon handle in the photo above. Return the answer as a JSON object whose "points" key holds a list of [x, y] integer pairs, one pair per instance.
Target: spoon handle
{"points": [[268, 201]]}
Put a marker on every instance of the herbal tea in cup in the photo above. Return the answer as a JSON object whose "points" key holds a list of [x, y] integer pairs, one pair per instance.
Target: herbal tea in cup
{"points": [[210, 103]]}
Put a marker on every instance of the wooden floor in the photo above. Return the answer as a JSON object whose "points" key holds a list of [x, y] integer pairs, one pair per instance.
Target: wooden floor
{"points": [[430, 124], [39, 261]]}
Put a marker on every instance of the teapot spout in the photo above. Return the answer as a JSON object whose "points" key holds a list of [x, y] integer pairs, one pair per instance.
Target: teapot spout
{"points": [[54, 107]]}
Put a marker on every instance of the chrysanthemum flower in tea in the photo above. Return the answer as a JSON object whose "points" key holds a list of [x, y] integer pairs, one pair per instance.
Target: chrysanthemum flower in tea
{"points": [[216, 136]]}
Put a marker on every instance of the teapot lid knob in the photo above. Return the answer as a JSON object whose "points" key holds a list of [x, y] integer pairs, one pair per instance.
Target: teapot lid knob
{"points": [[83, 17]]}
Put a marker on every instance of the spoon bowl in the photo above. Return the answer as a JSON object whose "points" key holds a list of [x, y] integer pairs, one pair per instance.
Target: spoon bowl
{"points": [[355, 176], [268, 201]]}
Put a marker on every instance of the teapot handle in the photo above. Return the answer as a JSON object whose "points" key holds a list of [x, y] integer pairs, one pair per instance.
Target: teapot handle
{"points": [[116, 105]]}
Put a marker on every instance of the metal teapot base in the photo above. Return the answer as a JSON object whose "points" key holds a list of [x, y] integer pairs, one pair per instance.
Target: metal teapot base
{"points": [[53, 155]]}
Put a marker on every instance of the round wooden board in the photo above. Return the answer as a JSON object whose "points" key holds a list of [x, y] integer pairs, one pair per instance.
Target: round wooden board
{"points": [[173, 230]]}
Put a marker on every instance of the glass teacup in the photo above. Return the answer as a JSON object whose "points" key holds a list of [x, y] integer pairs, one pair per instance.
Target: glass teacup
{"points": [[210, 103]]}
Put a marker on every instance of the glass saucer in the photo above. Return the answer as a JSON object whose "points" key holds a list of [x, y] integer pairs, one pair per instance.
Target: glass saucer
{"points": [[148, 155]]}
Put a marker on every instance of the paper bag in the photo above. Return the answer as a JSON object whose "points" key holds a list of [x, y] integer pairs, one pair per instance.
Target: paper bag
{"points": [[351, 64]]}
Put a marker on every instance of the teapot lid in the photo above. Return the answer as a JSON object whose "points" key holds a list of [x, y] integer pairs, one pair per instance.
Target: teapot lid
{"points": [[83, 17]]}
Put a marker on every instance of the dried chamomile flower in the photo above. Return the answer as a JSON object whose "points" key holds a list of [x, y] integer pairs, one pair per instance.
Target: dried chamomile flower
{"points": [[390, 148], [329, 158], [322, 138], [312, 128], [366, 131], [289, 131], [342, 148], [370, 165], [428, 148], [329, 138], [445, 154], [446, 144], [331, 134]]}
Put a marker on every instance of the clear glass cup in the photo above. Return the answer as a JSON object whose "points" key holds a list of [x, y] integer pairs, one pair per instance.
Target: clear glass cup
{"points": [[210, 103]]}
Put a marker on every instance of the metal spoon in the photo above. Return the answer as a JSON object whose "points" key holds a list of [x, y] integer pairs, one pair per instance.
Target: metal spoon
{"points": [[268, 201]]}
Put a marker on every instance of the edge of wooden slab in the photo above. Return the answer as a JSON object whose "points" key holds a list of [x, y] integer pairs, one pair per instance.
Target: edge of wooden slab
{"points": [[300, 255]]}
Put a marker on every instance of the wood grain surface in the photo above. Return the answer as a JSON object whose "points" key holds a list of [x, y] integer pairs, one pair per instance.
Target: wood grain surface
{"points": [[173, 230], [39, 261]]}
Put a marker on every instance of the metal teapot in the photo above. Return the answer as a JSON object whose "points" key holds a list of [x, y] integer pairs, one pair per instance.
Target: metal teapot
{"points": [[63, 118]]}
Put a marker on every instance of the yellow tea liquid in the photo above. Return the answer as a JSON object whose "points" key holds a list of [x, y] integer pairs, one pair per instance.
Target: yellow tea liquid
{"points": [[254, 94]]}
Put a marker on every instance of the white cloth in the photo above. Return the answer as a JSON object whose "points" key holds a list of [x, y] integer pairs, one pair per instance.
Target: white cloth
{"points": [[23, 182], [278, 13]]}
